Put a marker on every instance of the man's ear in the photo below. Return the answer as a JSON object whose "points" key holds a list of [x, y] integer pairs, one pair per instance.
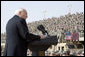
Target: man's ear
{"points": [[20, 13]]}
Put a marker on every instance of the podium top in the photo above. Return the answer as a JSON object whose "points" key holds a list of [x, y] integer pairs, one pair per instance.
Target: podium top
{"points": [[50, 40], [43, 44]]}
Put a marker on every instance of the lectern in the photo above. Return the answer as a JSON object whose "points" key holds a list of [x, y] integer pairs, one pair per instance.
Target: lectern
{"points": [[38, 48]]}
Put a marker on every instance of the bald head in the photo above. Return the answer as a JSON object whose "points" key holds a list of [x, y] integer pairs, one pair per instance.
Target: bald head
{"points": [[21, 13]]}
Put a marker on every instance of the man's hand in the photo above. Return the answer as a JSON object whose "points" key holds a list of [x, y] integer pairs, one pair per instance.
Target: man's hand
{"points": [[42, 36]]}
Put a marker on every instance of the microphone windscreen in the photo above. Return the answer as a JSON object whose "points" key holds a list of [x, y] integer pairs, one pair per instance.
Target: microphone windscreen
{"points": [[40, 27]]}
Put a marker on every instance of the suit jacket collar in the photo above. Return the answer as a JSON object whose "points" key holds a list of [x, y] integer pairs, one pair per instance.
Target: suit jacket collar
{"points": [[23, 21]]}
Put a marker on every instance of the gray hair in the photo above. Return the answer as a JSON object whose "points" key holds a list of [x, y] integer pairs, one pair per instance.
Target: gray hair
{"points": [[18, 10]]}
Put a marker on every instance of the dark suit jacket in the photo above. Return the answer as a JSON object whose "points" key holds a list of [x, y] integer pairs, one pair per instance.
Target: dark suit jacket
{"points": [[18, 37]]}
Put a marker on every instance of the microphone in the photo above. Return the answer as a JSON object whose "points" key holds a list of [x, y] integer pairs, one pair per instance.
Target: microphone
{"points": [[42, 29]]}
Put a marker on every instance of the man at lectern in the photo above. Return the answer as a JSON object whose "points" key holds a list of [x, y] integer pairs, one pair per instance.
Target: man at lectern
{"points": [[18, 35]]}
